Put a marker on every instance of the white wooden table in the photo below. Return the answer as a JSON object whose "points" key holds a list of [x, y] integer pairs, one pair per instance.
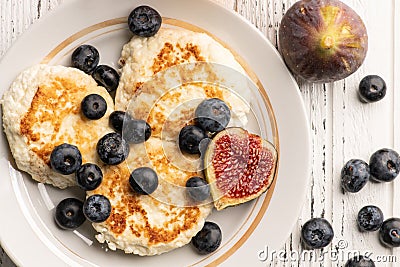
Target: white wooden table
{"points": [[342, 127]]}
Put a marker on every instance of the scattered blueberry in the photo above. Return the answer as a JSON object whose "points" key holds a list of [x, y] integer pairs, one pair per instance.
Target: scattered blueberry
{"points": [[117, 119], [197, 188], [89, 176], [97, 208], [65, 159], [69, 214], [190, 137], [112, 148], [316, 233], [85, 58], [136, 131], [143, 180], [360, 261], [212, 115], [144, 21], [370, 218], [372, 88], [354, 175], [94, 106], [389, 233], [208, 239], [384, 165], [107, 77]]}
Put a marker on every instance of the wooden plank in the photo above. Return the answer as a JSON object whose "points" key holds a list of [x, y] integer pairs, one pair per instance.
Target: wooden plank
{"points": [[359, 130], [396, 111], [18, 15]]}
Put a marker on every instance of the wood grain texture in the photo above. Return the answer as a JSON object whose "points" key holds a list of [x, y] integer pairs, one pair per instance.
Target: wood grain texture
{"points": [[342, 127]]}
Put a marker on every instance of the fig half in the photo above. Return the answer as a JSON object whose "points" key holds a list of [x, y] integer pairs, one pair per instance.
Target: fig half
{"points": [[322, 40], [239, 166]]}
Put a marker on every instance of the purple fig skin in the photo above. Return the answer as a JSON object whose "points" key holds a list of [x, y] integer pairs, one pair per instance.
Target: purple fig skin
{"points": [[322, 40]]}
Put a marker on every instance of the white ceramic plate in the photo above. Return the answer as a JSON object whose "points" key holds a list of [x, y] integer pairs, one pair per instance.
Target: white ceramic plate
{"points": [[27, 231]]}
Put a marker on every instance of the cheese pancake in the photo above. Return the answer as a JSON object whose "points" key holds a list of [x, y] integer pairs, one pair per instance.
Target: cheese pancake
{"points": [[156, 223], [168, 110], [142, 58], [42, 110]]}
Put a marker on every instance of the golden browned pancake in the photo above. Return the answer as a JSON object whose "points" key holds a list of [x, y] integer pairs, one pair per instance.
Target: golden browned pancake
{"points": [[168, 110], [42, 110], [142, 58], [156, 223]]}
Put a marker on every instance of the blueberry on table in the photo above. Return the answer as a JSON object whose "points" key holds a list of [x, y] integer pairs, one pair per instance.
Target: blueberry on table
{"points": [[197, 188], [389, 233], [117, 119], [384, 165], [136, 131], [354, 175], [370, 218], [316, 233], [69, 214], [360, 261], [93, 106], [65, 159], [107, 77], [372, 88], [89, 176], [85, 58], [143, 180], [190, 137], [208, 239], [144, 21], [212, 115], [112, 148], [97, 208]]}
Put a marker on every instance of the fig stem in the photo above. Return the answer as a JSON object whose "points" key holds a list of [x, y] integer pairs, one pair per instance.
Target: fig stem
{"points": [[327, 42]]}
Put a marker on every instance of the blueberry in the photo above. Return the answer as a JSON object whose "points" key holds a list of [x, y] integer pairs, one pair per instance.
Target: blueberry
{"points": [[190, 137], [136, 131], [144, 21], [360, 261], [69, 214], [197, 188], [107, 77], [389, 233], [316, 233], [85, 58], [384, 165], [89, 176], [112, 149], [354, 175], [208, 239], [372, 88], [370, 218], [97, 208], [65, 159], [143, 180], [94, 106], [117, 119], [212, 115]]}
